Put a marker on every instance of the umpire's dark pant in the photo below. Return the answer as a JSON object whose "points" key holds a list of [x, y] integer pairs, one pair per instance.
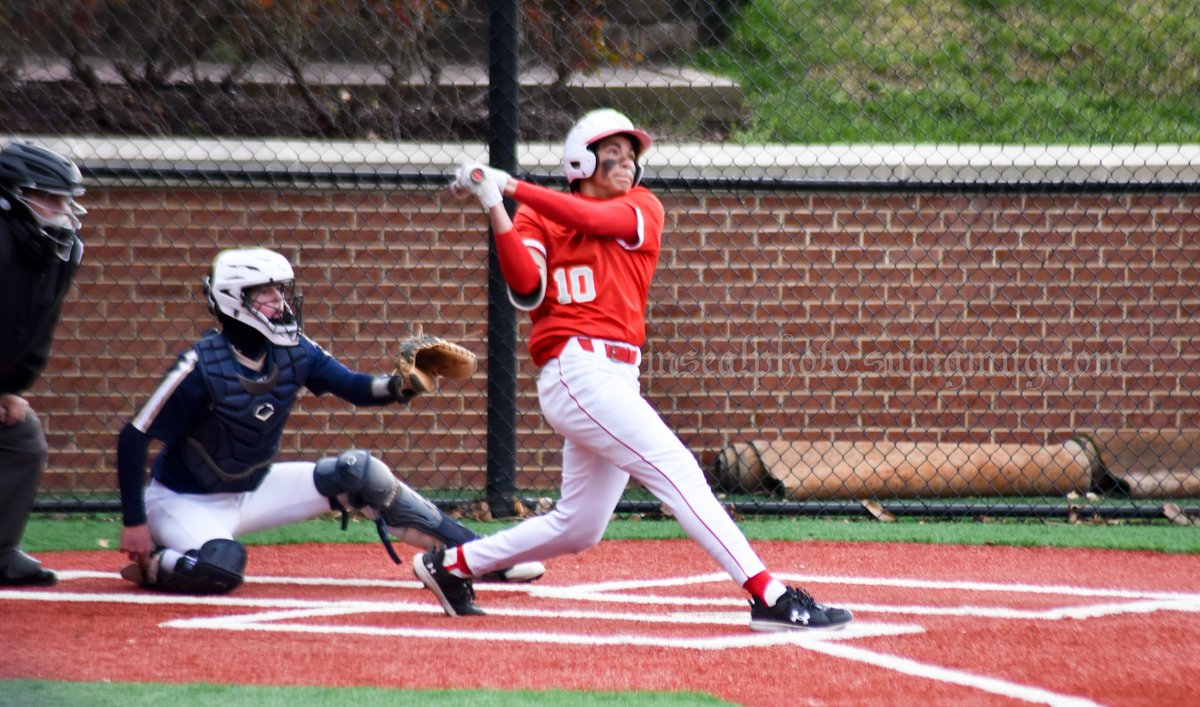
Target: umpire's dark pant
{"points": [[22, 460]]}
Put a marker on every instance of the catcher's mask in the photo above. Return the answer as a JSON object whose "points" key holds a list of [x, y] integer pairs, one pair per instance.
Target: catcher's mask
{"points": [[579, 158], [257, 287], [44, 184]]}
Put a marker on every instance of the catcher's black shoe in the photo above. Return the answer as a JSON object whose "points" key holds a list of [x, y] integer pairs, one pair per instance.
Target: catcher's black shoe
{"points": [[21, 570], [456, 594], [796, 609]]}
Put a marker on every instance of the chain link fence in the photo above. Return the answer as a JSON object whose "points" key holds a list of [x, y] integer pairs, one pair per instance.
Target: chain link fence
{"points": [[921, 258]]}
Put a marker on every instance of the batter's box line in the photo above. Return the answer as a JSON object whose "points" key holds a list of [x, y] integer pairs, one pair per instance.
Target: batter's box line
{"points": [[609, 592], [625, 585], [600, 591], [1146, 602], [350, 608], [967, 585], [1141, 606], [284, 608], [271, 622], [830, 643]]}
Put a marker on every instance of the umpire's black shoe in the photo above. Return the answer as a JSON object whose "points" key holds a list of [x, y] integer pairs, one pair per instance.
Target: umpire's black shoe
{"points": [[456, 594], [21, 570], [796, 609]]}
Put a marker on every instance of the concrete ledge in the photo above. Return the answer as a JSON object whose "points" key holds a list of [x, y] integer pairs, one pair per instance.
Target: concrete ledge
{"points": [[885, 164], [937, 163]]}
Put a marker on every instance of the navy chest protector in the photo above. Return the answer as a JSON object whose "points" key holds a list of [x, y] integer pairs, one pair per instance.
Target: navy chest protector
{"points": [[232, 448]]}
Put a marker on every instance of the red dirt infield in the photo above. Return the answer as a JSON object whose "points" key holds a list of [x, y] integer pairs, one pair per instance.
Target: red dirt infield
{"points": [[934, 624]]}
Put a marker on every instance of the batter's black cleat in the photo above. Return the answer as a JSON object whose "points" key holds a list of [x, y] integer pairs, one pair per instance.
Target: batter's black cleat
{"points": [[796, 610], [456, 594]]}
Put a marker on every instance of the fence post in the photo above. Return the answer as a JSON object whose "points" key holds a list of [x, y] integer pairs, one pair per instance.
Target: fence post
{"points": [[502, 327]]}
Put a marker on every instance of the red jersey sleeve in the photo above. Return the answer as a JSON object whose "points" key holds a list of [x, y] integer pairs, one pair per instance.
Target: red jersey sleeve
{"points": [[516, 265], [613, 218]]}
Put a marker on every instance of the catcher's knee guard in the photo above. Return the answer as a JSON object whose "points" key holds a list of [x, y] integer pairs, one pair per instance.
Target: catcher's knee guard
{"points": [[216, 568], [369, 483]]}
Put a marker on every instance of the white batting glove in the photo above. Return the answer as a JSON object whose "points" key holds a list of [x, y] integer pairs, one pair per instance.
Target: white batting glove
{"points": [[497, 176], [486, 183]]}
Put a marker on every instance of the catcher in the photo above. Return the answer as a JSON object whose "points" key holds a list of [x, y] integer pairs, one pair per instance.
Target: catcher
{"points": [[219, 414]]}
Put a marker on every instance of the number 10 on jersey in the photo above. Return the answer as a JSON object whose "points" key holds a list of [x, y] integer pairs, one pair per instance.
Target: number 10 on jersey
{"points": [[575, 284]]}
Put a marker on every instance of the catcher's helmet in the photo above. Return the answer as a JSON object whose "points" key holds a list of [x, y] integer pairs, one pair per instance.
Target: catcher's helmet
{"points": [[579, 161], [45, 183], [237, 273]]}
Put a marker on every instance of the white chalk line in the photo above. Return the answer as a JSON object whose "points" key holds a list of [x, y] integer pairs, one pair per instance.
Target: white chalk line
{"points": [[1056, 589], [714, 577], [907, 666], [608, 592], [832, 643], [742, 639]]}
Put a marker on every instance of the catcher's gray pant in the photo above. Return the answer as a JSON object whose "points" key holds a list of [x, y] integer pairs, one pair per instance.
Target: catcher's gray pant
{"points": [[22, 461], [180, 521], [611, 433]]}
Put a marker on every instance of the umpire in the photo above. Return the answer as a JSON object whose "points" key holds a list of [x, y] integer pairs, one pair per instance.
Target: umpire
{"points": [[40, 252]]}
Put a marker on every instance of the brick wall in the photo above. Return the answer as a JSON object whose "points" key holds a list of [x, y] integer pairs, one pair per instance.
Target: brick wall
{"points": [[985, 317]]}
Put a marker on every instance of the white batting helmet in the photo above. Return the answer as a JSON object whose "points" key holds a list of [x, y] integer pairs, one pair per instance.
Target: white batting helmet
{"points": [[579, 161], [238, 271]]}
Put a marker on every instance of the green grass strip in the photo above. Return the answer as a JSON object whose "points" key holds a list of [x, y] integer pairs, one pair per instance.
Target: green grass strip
{"points": [[43, 693], [95, 532]]}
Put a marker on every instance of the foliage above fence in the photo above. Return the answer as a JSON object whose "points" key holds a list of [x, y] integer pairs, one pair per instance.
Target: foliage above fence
{"points": [[1084, 71], [1078, 71], [366, 68]]}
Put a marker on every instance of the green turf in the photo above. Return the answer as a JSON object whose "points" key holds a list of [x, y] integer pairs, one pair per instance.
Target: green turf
{"points": [[39, 693], [92, 532], [89, 532]]}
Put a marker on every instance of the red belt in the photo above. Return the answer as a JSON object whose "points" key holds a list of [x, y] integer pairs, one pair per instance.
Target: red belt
{"points": [[620, 354]]}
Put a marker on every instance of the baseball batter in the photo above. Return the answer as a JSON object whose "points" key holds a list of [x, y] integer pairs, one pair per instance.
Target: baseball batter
{"points": [[220, 412], [581, 264]]}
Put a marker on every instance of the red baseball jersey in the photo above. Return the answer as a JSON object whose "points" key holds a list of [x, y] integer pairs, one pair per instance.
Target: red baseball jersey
{"points": [[596, 284]]}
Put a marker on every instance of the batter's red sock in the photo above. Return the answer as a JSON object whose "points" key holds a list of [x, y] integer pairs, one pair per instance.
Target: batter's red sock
{"points": [[456, 563], [765, 588]]}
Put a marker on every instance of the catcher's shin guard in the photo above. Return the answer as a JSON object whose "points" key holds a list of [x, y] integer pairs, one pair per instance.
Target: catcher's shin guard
{"points": [[369, 483], [217, 567]]}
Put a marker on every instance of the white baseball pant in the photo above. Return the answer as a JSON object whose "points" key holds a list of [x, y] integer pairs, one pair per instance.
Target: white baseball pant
{"points": [[180, 522], [610, 434]]}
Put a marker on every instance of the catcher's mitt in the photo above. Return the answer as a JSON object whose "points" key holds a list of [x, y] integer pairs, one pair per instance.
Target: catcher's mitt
{"points": [[424, 358]]}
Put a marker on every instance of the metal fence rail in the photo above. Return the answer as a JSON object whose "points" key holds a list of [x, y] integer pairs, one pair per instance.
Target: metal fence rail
{"points": [[940, 259]]}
